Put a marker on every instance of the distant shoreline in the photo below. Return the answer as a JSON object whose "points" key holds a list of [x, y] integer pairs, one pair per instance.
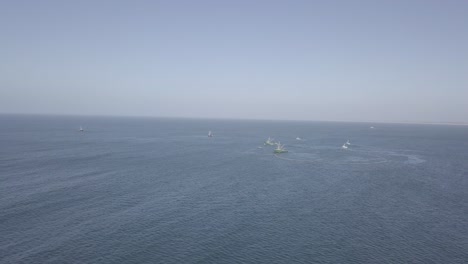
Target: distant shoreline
{"points": [[239, 119]]}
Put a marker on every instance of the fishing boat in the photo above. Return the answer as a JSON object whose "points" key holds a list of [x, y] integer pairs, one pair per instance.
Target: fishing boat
{"points": [[210, 134], [279, 148], [269, 142]]}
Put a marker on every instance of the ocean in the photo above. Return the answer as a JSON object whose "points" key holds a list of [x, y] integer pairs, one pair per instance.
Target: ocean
{"points": [[154, 190]]}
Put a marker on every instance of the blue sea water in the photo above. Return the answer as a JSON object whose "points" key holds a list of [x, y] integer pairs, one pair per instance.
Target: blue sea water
{"points": [[147, 190]]}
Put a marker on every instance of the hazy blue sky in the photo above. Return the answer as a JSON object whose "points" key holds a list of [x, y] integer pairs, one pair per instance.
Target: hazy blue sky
{"points": [[314, 60]]}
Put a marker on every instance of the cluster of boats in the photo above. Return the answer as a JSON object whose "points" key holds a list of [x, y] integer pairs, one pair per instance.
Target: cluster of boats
{"points": [[269, 142], [279, 147]]}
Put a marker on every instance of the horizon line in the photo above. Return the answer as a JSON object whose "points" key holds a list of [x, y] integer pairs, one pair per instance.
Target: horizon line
{"points": [[240, 119]]}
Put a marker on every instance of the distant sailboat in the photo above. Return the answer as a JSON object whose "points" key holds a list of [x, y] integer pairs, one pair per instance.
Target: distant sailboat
{"points": [[81, 129], [210, 134]]}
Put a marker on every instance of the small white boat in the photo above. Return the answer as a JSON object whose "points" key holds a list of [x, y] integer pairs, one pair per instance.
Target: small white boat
{"points": [[372, 127], [269, 142], [298, 138], [344, 146], [210, 134], [279, 149], [347, 143], [81, 129]]}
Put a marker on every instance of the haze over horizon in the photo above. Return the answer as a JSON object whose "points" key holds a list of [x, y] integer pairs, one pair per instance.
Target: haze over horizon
{"points": [[387, 61]]}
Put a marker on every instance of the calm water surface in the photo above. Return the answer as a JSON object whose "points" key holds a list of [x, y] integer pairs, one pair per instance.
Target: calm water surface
{"points": [[142, 190]]}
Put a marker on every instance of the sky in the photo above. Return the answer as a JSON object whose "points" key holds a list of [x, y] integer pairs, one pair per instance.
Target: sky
{"points": [[382, 61]]}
